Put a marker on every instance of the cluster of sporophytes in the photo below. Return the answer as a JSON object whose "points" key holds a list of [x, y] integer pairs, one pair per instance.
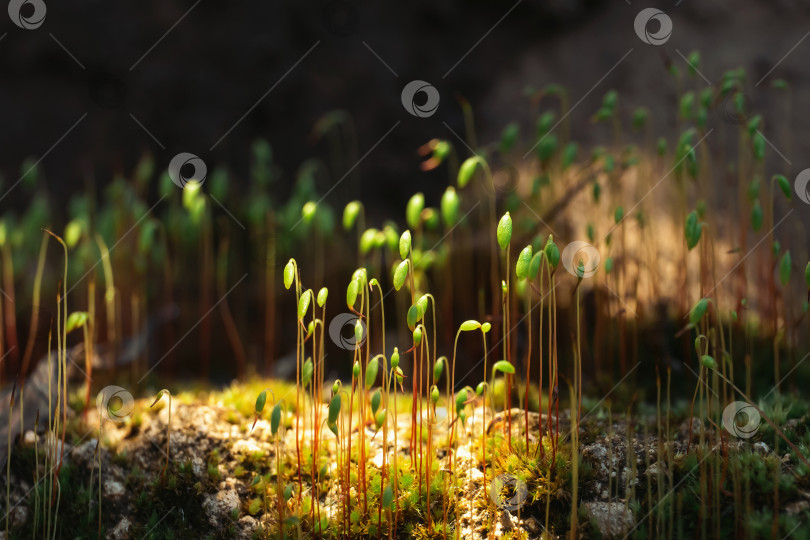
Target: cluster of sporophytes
{"points": [[377, 501], [509, 278], [424, 484]]}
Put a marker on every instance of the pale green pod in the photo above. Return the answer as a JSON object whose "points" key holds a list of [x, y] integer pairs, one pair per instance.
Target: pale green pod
{"points": [[504, 231]]}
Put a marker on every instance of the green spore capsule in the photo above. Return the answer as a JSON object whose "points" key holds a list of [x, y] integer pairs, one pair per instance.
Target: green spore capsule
{"points": [[618, 214], [534, 264], [430, 217], [422, 304], [73, 233], [708, 362], [523, 263], [438, 369], [552, 253], [400, 274], [361, 276], [368, 240], [698, 311], [306, 372], [504, 231], [372, 369], [784, 185], [350, 213], [413, 210], [289, 273], [466, 171], [376, 398], [504, 366], [461, 400], [395, 358], [467, 326], [308, 211], [261, 400], [692, 230], [351, 293], [405, 244], [275, 418], [417, 336], [334, 408], [379, 419], [449, 207], [413, 316], [303, 303]]}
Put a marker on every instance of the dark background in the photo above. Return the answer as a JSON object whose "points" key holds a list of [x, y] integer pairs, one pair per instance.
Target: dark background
{"points": [[204, 73]]}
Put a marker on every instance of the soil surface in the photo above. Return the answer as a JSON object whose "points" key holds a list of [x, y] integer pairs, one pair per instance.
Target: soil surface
{"points": [[209, 490]]}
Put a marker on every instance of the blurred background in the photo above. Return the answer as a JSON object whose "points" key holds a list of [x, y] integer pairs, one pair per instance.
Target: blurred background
{"points": [[102, 90]]}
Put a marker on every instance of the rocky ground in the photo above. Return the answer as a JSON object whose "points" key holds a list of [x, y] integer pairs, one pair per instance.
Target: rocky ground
{"points": [[208, 491]]}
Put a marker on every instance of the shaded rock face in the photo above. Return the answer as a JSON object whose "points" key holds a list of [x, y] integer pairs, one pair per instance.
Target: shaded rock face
{"points": [[198, 494], [619, 464], [612, 520]]}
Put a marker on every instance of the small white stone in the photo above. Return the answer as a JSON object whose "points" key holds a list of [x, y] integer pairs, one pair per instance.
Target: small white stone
{"points": [[113, 488], [197, 467], [246, 446], [612, 520], [18, 515], [121, 531], [85, 453], [220, 506], [247, 526], [761, 448]]}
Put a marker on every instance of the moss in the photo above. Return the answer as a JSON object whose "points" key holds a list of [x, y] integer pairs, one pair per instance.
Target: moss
{"points": [[545, 481], [136, 420], [120, 458], [176, 504]]}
